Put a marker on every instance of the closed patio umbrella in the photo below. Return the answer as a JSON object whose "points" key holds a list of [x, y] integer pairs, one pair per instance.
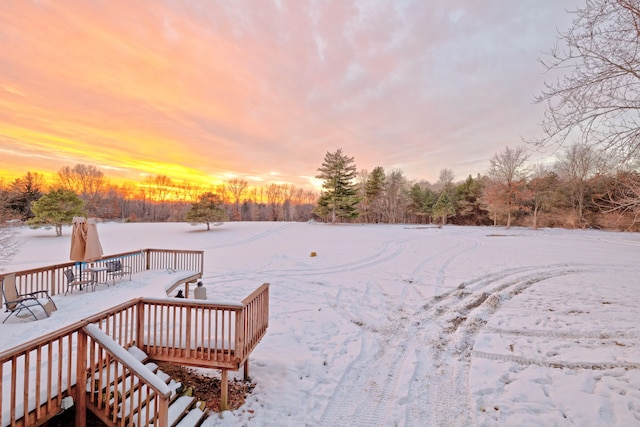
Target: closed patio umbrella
{"points": [[93, 248], [78, 239], [85, 243]]}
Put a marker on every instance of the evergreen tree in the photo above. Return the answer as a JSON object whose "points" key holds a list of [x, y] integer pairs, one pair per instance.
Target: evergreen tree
{"points": [[468, 197], [444, 207], [430, 199], [373, 192], [210, 208], [339, 196], [56, 208], [24, 191], [418, 199]]}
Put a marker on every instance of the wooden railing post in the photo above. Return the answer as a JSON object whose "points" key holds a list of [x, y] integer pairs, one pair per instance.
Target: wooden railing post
{"points": [[163, 413], [81, 378], [188, 319], [240, 326], [52, 279], [139, 339]]}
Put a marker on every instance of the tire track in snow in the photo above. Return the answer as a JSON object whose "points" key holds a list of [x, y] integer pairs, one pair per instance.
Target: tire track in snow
{"points": [[253, 238], [442, 339], [369, 385], [389, 251], [555, 363], [385, 254], [439, 393], [563, 335]]}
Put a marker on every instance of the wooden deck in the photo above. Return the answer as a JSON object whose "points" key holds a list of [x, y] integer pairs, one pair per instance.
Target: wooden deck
{"points": [[39, 378]]}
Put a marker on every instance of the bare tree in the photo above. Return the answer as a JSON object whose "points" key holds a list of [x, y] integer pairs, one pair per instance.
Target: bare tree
{"points": [[508, 174], [576, 165], [541, 189], [622, 196], [159, 189], [189, 192], [275, 197], [288, 205], [445, 180], [86, 181], [236, 187], [598, 96], [493, 201], [395, 199]]}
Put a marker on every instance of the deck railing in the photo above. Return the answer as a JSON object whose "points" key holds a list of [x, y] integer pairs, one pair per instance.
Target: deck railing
{"points": [[118, 389], [35, 378], [51, 278], [188, 331]]}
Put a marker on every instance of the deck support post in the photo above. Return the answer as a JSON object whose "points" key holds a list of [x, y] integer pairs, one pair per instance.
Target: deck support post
{"points": [[246, 370], [224, 390]]}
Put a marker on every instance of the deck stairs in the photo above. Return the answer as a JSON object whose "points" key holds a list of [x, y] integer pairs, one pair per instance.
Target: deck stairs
{"points": [[184, 409]]}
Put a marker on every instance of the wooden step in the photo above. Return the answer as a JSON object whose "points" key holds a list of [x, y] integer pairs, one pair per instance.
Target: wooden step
{"points": [[182, 409], [178, 408], [193, 418], [116, 373], [138, 354]]}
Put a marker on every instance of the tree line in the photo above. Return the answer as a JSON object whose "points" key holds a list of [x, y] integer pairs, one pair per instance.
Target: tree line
{"points": [[591, 114], [156, 199], [579, 190]]}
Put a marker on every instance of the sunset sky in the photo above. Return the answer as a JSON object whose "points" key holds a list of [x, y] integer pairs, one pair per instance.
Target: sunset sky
{"points": [[207, 90]]}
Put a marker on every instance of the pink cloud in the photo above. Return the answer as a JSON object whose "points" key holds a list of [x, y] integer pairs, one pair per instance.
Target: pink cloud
{"points": [[240, 87]]}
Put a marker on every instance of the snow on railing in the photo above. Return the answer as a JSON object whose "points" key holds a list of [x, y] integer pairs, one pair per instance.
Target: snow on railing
{"points": [[51, 278], [121, 390], [38, 378]]}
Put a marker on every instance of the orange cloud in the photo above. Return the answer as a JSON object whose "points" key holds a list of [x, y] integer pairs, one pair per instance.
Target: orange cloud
{"points": [[195, 90]]}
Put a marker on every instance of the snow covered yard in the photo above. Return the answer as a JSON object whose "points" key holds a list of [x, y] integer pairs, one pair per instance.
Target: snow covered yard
{"points": [[408, 325]]}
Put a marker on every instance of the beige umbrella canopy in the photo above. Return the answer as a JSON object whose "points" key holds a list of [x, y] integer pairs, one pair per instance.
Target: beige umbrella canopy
{"points": [[85, 243], [78, 239], [93, 249]]}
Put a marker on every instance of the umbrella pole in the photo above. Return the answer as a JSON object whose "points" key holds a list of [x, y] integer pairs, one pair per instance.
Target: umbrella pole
{"points": [[80, 271]]}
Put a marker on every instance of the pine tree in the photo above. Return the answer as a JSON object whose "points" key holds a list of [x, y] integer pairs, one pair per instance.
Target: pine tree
{"points": [[444, 207], [373, 192], [207, 210], [339, 196], [468, 196], [56, 208]]}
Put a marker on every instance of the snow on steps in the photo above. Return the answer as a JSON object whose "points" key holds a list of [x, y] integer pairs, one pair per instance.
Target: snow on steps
{"points": [[184, 411], [193, 418]]}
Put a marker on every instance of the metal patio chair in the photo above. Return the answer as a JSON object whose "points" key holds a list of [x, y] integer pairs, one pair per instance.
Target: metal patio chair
{"points": [[15, 303]]}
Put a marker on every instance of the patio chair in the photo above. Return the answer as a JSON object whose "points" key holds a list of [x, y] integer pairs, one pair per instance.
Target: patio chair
{"points": [[15, 302], [83, 280], [115, 269]]}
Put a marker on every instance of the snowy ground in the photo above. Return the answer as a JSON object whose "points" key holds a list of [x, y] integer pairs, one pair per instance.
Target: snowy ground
{"points": [[405, 325]]}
